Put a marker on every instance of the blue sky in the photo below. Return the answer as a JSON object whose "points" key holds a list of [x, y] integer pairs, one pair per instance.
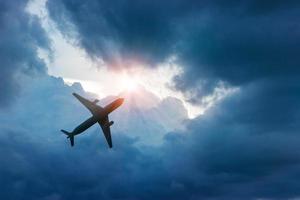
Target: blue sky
{"points": [[213, 114]]}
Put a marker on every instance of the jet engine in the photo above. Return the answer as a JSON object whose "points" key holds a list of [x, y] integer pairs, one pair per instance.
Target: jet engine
{"points": [[109, 123]]}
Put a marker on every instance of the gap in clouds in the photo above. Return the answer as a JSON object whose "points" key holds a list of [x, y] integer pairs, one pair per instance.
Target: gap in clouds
{"points": [[96, 77]]}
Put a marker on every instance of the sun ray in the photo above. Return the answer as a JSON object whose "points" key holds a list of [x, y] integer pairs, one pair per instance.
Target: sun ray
{"points": [[129, 84]]}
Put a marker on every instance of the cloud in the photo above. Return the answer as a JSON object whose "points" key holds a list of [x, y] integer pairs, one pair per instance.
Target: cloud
{"points": [[21, 36], [238, 47], [139, 30], [233, 42], [46, 166], [244, 147]]}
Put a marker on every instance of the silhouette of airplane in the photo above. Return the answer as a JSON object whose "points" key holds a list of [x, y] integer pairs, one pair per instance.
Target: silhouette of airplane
{"points": [[100, 115]]}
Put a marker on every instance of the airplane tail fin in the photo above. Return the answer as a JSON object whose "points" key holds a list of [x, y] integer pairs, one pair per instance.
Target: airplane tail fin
{"points": [[70, 135]]}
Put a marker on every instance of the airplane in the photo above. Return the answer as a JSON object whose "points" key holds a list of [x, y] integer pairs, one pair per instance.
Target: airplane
{"points": [[100, 116]]}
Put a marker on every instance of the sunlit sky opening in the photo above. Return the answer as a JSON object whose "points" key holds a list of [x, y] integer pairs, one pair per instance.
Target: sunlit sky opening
{"points": [[73, 65], [129, 83]]}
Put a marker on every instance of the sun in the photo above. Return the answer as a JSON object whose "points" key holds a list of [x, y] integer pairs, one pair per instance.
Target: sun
{"points": [[129, 84]]}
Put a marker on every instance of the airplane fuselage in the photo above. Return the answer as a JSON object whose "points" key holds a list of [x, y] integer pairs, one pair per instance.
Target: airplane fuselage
{"points": [[97, 117], [85, 125]]}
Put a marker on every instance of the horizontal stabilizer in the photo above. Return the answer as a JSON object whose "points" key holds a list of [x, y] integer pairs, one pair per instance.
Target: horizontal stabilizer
{"points": [[69, 136], [65, 132]]}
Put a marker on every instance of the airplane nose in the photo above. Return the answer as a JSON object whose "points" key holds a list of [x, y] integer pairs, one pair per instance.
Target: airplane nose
{"points": [[121, 100]]}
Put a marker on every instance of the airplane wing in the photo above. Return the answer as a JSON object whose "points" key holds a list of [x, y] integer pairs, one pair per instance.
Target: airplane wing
{"points": [[91, 106], [104, 123]]}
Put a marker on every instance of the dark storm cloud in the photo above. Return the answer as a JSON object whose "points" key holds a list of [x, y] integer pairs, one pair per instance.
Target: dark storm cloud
{"points": [[21, 35], [235, 42], [246, 147], [135, 29], [240, 48]]}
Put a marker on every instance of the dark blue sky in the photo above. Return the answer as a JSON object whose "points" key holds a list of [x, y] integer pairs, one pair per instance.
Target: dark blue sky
{"points": [[244, 147]]}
